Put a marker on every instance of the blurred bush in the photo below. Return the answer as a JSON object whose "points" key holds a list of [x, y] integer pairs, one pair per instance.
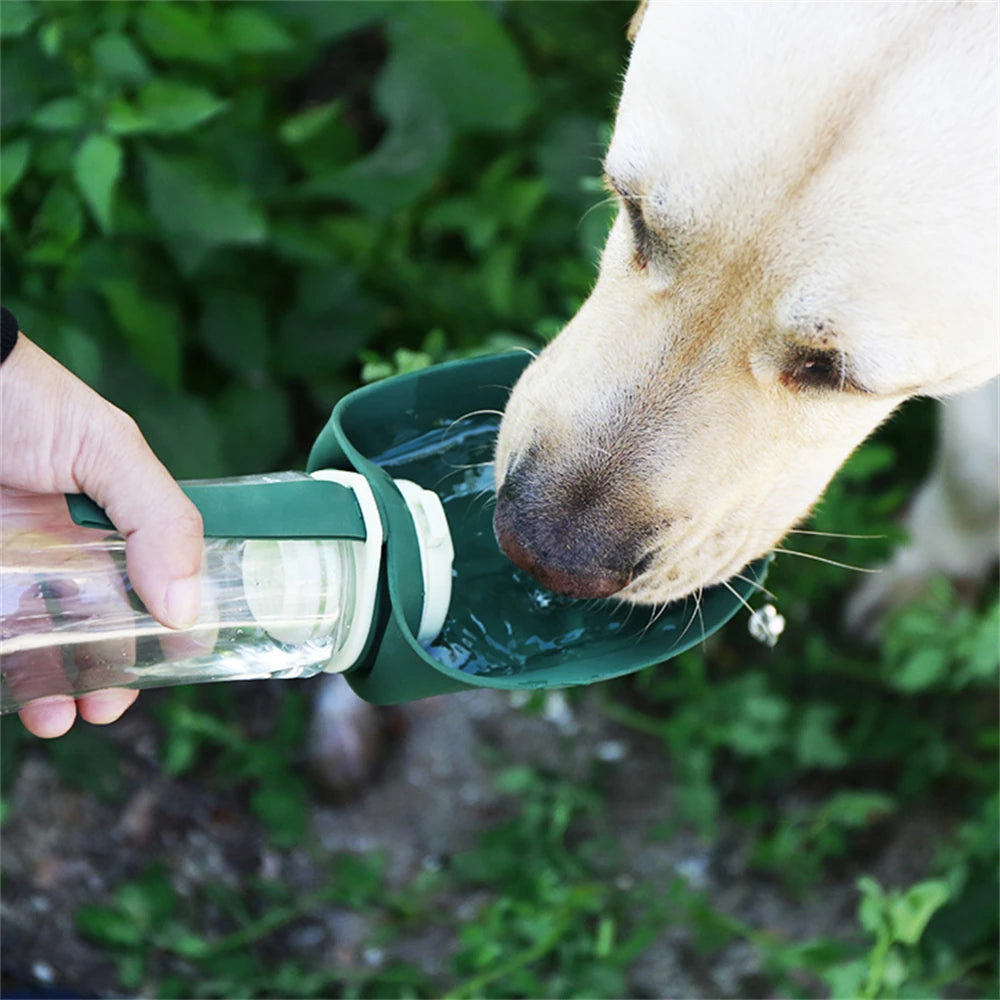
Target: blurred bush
{"points": [[215, 212]]}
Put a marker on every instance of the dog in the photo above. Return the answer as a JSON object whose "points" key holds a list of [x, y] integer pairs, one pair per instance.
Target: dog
{"points": [[806, 237]]}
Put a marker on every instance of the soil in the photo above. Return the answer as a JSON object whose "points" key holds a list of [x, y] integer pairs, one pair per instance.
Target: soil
{"points": [[63, 847]]}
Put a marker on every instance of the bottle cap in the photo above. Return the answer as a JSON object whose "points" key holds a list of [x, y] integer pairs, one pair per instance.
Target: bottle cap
{"points": [[300, 590], [437, 554]]}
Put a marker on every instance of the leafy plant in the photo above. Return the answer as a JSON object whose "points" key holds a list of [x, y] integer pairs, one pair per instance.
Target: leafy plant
{"points": [[210, 210], [269, 769], [897, 921], [150, 928]]}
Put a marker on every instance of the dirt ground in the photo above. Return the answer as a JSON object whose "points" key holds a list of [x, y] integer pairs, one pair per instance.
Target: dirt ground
{"points": [[61, 847]]}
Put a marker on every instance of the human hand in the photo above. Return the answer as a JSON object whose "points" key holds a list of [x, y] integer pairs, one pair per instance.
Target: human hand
{"points": [[59, 436]]}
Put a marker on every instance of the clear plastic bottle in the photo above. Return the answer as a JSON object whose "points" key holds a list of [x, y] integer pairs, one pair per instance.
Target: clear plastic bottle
{"points": [[71, 623]]}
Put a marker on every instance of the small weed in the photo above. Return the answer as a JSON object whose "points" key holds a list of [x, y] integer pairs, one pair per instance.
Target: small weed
{"points": [[200, 725], [232, 942], [897, 921], [557, 929]]}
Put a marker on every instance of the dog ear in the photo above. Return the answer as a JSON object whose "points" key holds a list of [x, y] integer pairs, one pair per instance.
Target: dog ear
{"points": [[636, 21]]}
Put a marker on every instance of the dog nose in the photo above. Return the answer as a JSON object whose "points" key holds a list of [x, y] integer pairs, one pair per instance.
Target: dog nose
{"points": [[560, 575], [577, 553]]}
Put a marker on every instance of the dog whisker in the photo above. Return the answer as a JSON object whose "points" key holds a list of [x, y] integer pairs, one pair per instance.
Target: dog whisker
{"points": [[472, 465], [655, 614], [696, 613], [526, 350], [757, 584], [469, 415], [611, 199], [701, 617], [831, 534], [732, 590], [830, 562]]}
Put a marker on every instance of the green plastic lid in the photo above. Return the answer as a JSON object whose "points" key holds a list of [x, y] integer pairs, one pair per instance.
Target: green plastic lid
{"points": [[436, 427]]}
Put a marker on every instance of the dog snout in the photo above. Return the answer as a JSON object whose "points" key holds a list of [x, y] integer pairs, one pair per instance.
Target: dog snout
{"points": [[572, 539]]}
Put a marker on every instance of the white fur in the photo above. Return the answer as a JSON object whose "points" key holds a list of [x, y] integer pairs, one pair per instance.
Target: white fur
{"points": [[816, 177]]}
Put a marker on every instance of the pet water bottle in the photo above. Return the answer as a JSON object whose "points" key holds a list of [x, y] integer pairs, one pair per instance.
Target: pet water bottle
{"points": [[389, 573], [270, 606]]}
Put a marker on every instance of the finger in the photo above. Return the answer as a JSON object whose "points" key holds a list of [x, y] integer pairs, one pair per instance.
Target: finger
{"points": [[49, 717], [60, 435], [103, 707], [162, 528]]}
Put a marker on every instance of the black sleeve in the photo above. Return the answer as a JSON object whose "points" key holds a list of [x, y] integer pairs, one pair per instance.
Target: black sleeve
{"points": [[8, 333]]}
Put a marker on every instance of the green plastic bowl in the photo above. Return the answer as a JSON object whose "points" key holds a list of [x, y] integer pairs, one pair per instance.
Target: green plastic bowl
{"points": [[437, 427]]}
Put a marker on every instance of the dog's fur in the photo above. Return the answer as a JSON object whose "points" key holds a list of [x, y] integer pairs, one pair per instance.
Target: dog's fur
{"points": [[807, 236]]}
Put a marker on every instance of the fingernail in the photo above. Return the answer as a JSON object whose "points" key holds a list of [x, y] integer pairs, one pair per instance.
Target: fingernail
{"points": [[183, 601]]}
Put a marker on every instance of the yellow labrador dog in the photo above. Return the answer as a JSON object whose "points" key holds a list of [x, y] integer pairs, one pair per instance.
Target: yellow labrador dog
{"points": [[807, 236]]}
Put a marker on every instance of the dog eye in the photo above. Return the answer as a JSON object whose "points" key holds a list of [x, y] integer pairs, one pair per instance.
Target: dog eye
{"points": [[640, 232], [642, 238], [817, 370]]}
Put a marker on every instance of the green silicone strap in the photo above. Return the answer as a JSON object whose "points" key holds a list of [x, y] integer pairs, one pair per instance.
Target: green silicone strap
{"points": [[297, 508]]}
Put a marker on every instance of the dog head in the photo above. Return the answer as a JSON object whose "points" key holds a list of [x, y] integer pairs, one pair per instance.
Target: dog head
{"points": [[806, 236]]}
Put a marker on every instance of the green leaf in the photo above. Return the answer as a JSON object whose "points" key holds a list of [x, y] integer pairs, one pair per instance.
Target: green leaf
{"points": [[856, 809], [401, 168], [759, 723], [251, 31], [465, 62], [16, 16], [58, 225], [97, 168], [122, 118], [330, 322], [281, 806], [108, 925], [516, 780], [151, 327], [179, 751], [816, 742], [871, 909], [64, 114], [256, 426], [185, 943], [118, 59], [847, 979], [182, 32], [165, 107], [188, 200], [323, 22], [174, 106], [150, 900], [452, 67], [921, 670], [308, 124], [14, 159], [910, 912], [233, 330], [131, 968], [183, 432], [983, 660]]}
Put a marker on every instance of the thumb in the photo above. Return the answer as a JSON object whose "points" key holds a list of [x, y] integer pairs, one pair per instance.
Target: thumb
{"points": [[162, 528]]}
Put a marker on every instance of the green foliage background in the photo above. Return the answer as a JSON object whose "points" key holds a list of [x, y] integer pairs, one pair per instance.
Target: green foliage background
{"points": [[224, 216], [214, 212]]}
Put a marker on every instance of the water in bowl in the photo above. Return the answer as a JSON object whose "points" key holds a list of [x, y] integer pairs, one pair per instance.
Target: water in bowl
{"points": [[502, 622]]}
